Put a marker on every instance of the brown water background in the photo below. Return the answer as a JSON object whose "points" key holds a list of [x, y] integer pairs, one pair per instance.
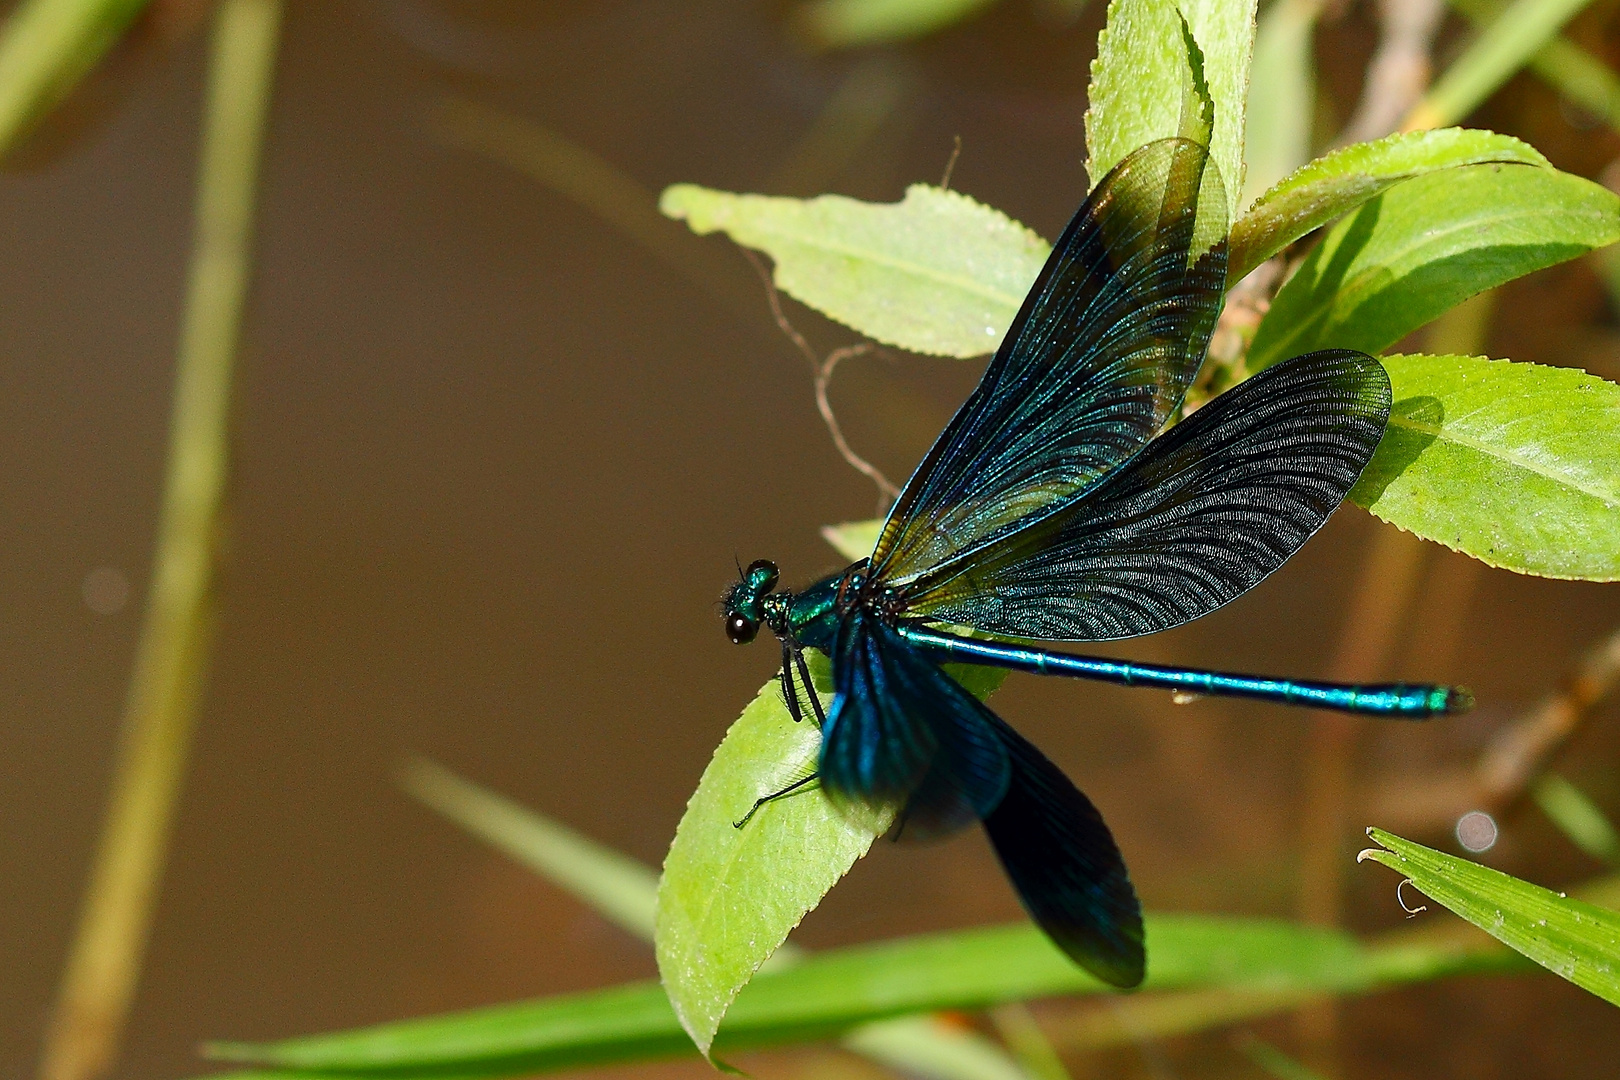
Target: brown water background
{"points": [[494, 461]]}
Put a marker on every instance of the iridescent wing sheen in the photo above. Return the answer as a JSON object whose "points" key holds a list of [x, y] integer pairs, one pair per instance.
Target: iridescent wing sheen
{"points": [[1201, 516], [902, 735], [1099, 356]]}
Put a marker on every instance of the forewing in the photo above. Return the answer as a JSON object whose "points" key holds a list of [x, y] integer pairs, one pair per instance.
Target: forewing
{"points": [[1099, 356], [1065, 865], [903, 736], [1199, 517]]}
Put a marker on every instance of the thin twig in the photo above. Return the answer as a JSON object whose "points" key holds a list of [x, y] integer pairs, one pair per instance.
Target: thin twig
{"points": [[950, 163], [823, 373], [171, 656]]}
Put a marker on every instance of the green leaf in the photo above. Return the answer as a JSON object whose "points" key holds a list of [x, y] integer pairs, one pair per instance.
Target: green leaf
{"points": [[853, 539], [47, 46], [935, 273], [1426, 245], [1573, 939], [1142, 47], [1282, 96], [843, 24], [1578, 817], [729, 896], [1337, 183], [1517, 465], [1492, 59]]}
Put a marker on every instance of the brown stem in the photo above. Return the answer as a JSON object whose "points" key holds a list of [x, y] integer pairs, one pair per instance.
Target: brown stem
{"points": [[823, 370]]}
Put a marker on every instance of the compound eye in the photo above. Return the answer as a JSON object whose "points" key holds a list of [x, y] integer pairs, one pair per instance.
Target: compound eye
{"points": [[740, 629], [762, 574]]}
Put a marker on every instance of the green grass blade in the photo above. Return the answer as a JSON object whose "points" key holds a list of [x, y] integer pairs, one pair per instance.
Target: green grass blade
{"points": [[1204, 971], [1492, 59], [936, 273], [824, 994], [1578, 817], [1517, 465], [616, 885], [1141, 46], [845, 24], [46, 47], [1282, 96], [1426, 245], [1336, 183], [1569, 69], [1569, 937]]}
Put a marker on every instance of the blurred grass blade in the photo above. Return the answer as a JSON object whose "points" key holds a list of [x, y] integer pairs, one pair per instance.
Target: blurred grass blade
{"points": [[1569, 937], [1515, 464], [1578, 817], [1024, 1036], [46, 47], [1273, 1062], [626, 892], [1282, 96], [936, 273], [1571, 70], [1491, 60], [844, 24], [932, 1048], [1338, 182], [615, 885], [171, 653]]}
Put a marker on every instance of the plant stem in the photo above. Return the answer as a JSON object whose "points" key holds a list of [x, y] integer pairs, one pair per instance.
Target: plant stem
{"points": [[171, 655], [46, 48]]}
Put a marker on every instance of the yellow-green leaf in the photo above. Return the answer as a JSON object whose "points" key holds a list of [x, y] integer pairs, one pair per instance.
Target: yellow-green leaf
{"points": [[935, 273], [1517, 465]]}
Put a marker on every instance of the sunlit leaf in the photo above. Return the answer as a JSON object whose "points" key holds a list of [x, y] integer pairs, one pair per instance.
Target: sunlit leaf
{"points": [[1142, 47], [853, 539], [935, 273], [1574, 939], [1426, 245], [1517, 465], [842, 24], [729, 896], [1337, 183]]}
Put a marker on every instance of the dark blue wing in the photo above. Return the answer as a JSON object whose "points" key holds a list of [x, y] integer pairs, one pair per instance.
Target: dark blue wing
{"points": [[1100, 355], [1065, 865], [899, 736], [1199, 517], [903, 735]]}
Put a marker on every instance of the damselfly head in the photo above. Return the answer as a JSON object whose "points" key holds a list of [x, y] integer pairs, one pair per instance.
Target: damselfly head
{"points": [[744, 602]]}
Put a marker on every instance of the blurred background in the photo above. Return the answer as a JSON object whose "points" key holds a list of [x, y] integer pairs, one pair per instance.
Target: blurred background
{"points": [[499, 433]]}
